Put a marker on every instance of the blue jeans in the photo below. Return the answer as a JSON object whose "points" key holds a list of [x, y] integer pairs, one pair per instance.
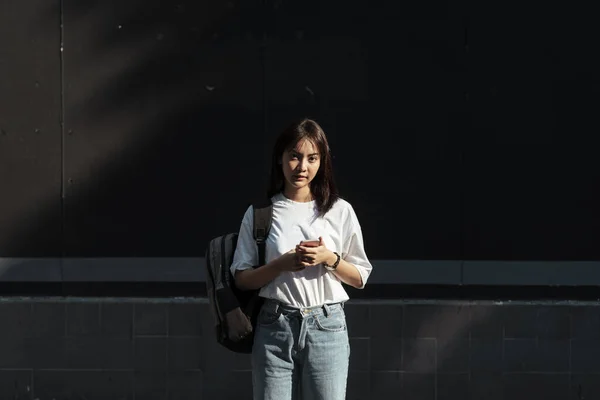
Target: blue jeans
{"points": [[300, 353]]}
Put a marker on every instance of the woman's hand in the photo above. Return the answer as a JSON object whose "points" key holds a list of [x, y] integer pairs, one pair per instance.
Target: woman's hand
{"points": [[289, 262], [312, 256]]}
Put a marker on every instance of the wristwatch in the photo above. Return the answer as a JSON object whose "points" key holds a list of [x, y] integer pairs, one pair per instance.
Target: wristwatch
{"points": [[335, 265]]}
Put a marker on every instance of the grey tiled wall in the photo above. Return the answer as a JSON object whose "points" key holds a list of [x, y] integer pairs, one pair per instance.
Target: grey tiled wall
{"points": [[418, 350]]}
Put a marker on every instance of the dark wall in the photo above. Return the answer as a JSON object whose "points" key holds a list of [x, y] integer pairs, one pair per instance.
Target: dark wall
{"points": [[419, 350], [460, 131]]}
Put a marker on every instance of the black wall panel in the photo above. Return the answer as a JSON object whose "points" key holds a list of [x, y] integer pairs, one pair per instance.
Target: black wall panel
{"points": [[406, 169], [459, 131], [316, 65], [165, 118], [30, 130], [531, 169]]}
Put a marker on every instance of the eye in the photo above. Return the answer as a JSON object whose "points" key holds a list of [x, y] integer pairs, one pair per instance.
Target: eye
{"points": [[312, 159]]}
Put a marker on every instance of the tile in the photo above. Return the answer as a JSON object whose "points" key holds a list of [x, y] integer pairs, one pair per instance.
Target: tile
{"points": [[520, 386], [419, 321], [554, 355], [18, 319], [486, 386], [436, 321], [13, 351], [233, 385], [486, 355], [83, 319], [99, 353], [89, 385], [486, 321], [187, 319], [452, 386], [585, 322], [535, 321], [358, 387], [150, 385], [360, 354], [238, 385], [417, 386], [520, 322], [386, 320], [520, 355], [452, 355], [233, 361], [358, 319], [48, 319], [585, 355], [384, 383], [453, 322], [16, 385], [150, 353], [419, 355], [553, 322], [186, 353], [150, 319], [51, 384], [45, 353], [585, 386], [386, 355], [116, 319]]}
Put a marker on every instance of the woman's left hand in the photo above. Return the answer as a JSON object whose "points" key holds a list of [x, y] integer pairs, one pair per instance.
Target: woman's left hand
{"points": [[313, 256]]}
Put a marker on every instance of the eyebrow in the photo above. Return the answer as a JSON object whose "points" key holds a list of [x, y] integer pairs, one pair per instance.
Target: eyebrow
{"points": [[310, 155]]}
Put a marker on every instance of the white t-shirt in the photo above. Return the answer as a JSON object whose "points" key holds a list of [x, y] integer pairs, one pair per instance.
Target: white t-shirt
{"points": [[292, 223]]}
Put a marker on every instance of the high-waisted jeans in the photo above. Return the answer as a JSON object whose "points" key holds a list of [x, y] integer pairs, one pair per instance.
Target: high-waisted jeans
{"points": [[300, 353]]}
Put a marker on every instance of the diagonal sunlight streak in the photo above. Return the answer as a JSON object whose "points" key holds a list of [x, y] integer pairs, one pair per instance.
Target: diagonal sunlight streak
{"points": [[455, 324], [130, 89]]}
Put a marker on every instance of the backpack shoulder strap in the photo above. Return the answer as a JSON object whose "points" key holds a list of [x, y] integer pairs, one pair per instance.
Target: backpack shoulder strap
{"points": [[263, 214]]}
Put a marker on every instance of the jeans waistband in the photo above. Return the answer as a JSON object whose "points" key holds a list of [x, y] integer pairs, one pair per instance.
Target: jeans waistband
{"points": [[276, 306]]}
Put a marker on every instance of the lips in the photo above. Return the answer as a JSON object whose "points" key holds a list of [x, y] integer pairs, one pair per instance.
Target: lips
{"points": [[298, 177]]}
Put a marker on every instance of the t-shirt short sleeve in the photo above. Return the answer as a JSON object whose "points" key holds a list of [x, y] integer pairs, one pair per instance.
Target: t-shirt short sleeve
{"points": [[246, 251], [354, 247]]}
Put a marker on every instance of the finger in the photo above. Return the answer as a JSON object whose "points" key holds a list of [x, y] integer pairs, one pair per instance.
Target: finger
{"points": [[307, 264]]}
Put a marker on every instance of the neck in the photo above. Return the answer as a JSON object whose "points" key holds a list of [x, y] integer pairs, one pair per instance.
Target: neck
{"points": [[301, 195]]}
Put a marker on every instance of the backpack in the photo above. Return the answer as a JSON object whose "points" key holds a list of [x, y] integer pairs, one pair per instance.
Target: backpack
{"points": [[235, 311]]}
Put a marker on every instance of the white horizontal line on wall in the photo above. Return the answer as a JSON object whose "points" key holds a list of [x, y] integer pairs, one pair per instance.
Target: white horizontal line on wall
{"points": [[193, 269]]}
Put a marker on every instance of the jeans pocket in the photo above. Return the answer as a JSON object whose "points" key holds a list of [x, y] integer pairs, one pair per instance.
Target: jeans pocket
{"points": [[334, 322], [268, 317]]}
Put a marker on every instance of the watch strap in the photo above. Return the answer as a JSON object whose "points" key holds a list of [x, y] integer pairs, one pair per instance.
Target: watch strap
{"points": [[335, 265]]}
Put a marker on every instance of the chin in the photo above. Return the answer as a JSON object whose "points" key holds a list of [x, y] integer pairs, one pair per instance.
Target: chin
{"points": [[297, 185]]}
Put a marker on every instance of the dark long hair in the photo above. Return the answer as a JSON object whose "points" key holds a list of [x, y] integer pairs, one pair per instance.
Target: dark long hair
{"points": [[322, 187]]}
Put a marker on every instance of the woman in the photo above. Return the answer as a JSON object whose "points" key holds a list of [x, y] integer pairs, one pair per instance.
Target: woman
{"points": [[301, 348]]}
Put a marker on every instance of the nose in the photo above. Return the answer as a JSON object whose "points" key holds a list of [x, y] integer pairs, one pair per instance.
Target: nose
{"points": [[303, 165]]}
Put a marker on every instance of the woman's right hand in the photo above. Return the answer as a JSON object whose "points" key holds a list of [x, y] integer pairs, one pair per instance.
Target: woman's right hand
{"points": [[289, 262]]}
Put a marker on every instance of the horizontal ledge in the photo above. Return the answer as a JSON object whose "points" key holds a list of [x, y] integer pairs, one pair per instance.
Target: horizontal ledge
{"points": [[538, 273], [30, 270], [413, 272]]}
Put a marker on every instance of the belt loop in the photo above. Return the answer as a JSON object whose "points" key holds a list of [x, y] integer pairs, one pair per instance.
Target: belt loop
{"points": [[326, 309]]}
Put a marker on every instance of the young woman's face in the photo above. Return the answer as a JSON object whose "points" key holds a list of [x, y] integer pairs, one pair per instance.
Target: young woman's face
{"points": [[300, 165]]}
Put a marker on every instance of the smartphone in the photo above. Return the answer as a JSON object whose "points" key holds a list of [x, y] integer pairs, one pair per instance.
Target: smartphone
{"points": [[310, 243]]}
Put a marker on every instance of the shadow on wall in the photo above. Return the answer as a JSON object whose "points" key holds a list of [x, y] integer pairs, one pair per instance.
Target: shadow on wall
{"points": [[163, 110]]}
